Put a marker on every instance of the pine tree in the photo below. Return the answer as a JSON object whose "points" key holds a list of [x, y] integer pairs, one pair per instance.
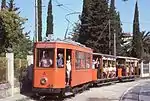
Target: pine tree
{"points": [[49, 19], [39, 20], [3, 4], [94, 25], [137, 44], [115, 27]]}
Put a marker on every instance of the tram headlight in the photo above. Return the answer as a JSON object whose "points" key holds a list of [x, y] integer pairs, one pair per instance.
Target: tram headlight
{"points": [[43, 81]]}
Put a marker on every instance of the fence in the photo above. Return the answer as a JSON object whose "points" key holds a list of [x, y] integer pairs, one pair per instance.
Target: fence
{"points": [[145, 69], [10, 70]]}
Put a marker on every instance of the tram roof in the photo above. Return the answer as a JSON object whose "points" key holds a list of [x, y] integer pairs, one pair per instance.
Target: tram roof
{"points": [[66, 41], [116, 57], [130, 58], [105, 55]]}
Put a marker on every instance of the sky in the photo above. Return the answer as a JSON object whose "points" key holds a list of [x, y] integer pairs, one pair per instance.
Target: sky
{"points": [[126, 10]]}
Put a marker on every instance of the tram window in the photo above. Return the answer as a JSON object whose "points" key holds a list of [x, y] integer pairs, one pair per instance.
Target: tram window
{"points": [[45, 58], [113, 63], [127, 64], [109, 63], [88, 56], [80, 60], [121, 62], [104, 63], [60, 58]]}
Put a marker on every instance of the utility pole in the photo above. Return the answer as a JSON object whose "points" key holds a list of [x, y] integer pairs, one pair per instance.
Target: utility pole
{"points": [[109, 39], [36, 20], [114, 42]]}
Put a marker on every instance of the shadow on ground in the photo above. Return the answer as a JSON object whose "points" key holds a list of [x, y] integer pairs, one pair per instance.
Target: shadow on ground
{"points": [[26, 81]]}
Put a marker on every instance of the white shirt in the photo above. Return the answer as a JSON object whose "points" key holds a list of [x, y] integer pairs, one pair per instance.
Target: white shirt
{"points": [[110, 69], [68, 66], [46, 62], [93, 64]]}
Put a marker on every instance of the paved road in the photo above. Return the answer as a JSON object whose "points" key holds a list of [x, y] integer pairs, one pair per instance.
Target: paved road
{"points": [[141, 92], [129, 91], [117, 92]]}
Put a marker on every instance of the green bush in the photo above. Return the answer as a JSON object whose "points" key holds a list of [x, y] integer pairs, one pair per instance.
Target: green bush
{"points": [[3, 69]]}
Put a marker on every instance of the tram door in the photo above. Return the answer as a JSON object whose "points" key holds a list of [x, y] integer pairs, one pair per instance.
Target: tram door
{"points": [[64, 60], [68, 66], [97, 61]]}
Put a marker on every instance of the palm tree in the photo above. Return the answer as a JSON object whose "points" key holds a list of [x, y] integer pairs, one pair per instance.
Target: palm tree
{"points": [[146, 41], [145, 37]]}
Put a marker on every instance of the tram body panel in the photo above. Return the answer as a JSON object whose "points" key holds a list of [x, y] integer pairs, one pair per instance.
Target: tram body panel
{"points": [[81, 76], [51, 76], [94, 74]]}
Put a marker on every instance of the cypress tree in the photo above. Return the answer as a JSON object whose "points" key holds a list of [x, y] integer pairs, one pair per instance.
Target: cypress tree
{"points": [[39, 20], [83, 36], [137, 47], [94, 25], [119, 40], [11, 6], [3, 4], [49, 19]]}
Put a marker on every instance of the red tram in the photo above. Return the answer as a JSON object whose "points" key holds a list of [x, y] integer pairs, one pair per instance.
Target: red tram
{"points": [[60, 65], [64, 66]]}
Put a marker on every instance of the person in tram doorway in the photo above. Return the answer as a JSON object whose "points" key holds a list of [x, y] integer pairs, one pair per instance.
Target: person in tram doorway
{"points": [[60, 60], [45, 61], [68, 70]]}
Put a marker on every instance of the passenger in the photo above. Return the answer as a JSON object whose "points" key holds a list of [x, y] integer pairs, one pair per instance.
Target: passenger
{"points": [[128, 71], [110, 70], [114, 71], [87, 64], [60, 60], [93, 64], [97, 63], [132, 69], [45, 61], [105, 69], [68, 70]]}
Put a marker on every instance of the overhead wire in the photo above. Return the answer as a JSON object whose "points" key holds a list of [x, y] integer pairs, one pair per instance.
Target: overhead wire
{"points": [[71, 11], [62, 6]]}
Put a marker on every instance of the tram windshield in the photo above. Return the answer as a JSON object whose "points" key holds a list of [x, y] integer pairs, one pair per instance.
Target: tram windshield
{"points": [[45, 58]]}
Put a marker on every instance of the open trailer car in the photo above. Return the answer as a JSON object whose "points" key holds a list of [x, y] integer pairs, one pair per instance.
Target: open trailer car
{"points": [[106, 68], [127, 68], [60, 67]]}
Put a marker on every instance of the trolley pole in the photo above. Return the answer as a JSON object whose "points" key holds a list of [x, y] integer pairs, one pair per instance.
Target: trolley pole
{"points": [[114, 42]]}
